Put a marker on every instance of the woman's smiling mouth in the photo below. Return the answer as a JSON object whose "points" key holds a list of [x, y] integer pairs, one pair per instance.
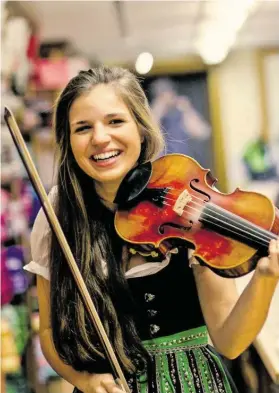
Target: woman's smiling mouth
{"points": [[107, 158]]}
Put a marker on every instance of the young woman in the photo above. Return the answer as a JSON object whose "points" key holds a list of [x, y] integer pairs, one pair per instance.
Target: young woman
{"points": [[156, 313]]}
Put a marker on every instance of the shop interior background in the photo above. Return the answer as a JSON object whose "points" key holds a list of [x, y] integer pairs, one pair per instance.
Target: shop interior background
{"points": [[220, 62]]}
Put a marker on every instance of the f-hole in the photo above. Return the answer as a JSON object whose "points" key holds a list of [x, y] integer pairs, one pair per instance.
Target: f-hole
{"points": [[161, 228], [198, 190]]}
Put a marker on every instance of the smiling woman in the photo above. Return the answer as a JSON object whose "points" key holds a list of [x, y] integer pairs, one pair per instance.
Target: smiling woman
{"points": [[156, 312], [108, 143]]}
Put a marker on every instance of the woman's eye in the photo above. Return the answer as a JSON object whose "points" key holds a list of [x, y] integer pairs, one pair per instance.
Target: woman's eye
{"points": [[116, 121], [80, 129]]}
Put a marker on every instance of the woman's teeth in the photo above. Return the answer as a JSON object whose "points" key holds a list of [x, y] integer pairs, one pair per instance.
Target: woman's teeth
{"points": [[105, 156]]}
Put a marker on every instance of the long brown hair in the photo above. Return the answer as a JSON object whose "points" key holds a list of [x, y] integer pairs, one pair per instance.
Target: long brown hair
{"points": [[88, 226]]}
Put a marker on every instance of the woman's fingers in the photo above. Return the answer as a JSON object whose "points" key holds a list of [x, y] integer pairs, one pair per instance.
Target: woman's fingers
{"points": [[111, 387], [102, 383], [100, 389], [270, 265]]}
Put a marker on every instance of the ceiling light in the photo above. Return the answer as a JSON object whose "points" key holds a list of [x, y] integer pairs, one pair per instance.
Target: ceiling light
{"points": [[213, 55], [218, 30], [144, 63]]}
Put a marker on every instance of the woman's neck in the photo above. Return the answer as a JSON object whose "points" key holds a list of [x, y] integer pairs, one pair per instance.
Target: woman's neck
{"points": [[107, 194]]}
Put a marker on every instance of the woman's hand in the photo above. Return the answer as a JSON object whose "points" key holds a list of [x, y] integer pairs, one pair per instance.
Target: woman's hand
{"points": [[102, 383], [269, 266]]}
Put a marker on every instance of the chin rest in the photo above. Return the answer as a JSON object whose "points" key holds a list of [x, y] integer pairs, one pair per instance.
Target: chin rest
{"points": [[133, 184]]}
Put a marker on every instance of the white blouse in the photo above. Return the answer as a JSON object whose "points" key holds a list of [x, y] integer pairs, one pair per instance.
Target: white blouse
{"points": [[40, 246]]}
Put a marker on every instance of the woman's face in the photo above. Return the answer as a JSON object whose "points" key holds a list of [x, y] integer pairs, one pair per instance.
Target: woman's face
{"points": [[105, 139]]}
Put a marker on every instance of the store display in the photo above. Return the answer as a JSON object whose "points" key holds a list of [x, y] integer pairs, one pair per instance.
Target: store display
{"points": [[19, 207], [14, 258], [6, 282]]}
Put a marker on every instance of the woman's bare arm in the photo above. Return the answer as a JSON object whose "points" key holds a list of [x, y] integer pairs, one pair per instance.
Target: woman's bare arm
{"points": [[77, 379], [88, 383], [233, 321]]}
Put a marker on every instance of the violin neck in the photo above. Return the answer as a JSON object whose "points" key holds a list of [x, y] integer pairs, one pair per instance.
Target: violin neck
{"points": [[230, 224]]}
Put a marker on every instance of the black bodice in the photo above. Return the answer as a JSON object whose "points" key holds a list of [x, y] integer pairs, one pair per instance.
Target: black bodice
{"points": [[166, 302]]}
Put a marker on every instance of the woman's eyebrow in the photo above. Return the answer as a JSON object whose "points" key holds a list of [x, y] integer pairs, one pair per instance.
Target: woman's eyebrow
{"points": [[107, 116], [79, 122]]}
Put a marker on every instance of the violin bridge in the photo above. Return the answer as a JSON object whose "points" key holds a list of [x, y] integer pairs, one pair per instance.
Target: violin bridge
{"points": [[183, 199]]}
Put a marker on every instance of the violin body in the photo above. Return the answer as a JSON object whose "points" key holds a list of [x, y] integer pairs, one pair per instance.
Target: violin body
{"points": [[228, 232]]}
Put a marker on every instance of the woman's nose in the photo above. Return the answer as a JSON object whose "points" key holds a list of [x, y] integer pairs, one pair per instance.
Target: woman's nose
{"points": [[100, 135]]}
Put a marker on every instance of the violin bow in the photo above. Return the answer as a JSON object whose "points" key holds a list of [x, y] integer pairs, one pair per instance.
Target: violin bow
{"points": [[55, 226]]}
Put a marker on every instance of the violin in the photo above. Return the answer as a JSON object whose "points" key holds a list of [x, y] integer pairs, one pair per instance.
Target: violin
{"points": [[174, 200]]}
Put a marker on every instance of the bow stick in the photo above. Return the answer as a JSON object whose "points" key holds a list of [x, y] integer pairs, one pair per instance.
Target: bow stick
{"points": [[54, 224]]}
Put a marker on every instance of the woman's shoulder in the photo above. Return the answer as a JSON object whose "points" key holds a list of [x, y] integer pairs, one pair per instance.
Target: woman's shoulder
{"points": [[52, 195], [40, 241], [41, 226]]}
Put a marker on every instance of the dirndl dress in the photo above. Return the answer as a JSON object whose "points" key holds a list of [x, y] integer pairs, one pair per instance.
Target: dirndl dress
{"points": [[183, 363], [171, 326]]}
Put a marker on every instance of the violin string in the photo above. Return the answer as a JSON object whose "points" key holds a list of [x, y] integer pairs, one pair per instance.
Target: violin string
{"points": [[171, 193], [252, 234], [259, 231], [260, 241], [257, 240], [256, 234]]}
